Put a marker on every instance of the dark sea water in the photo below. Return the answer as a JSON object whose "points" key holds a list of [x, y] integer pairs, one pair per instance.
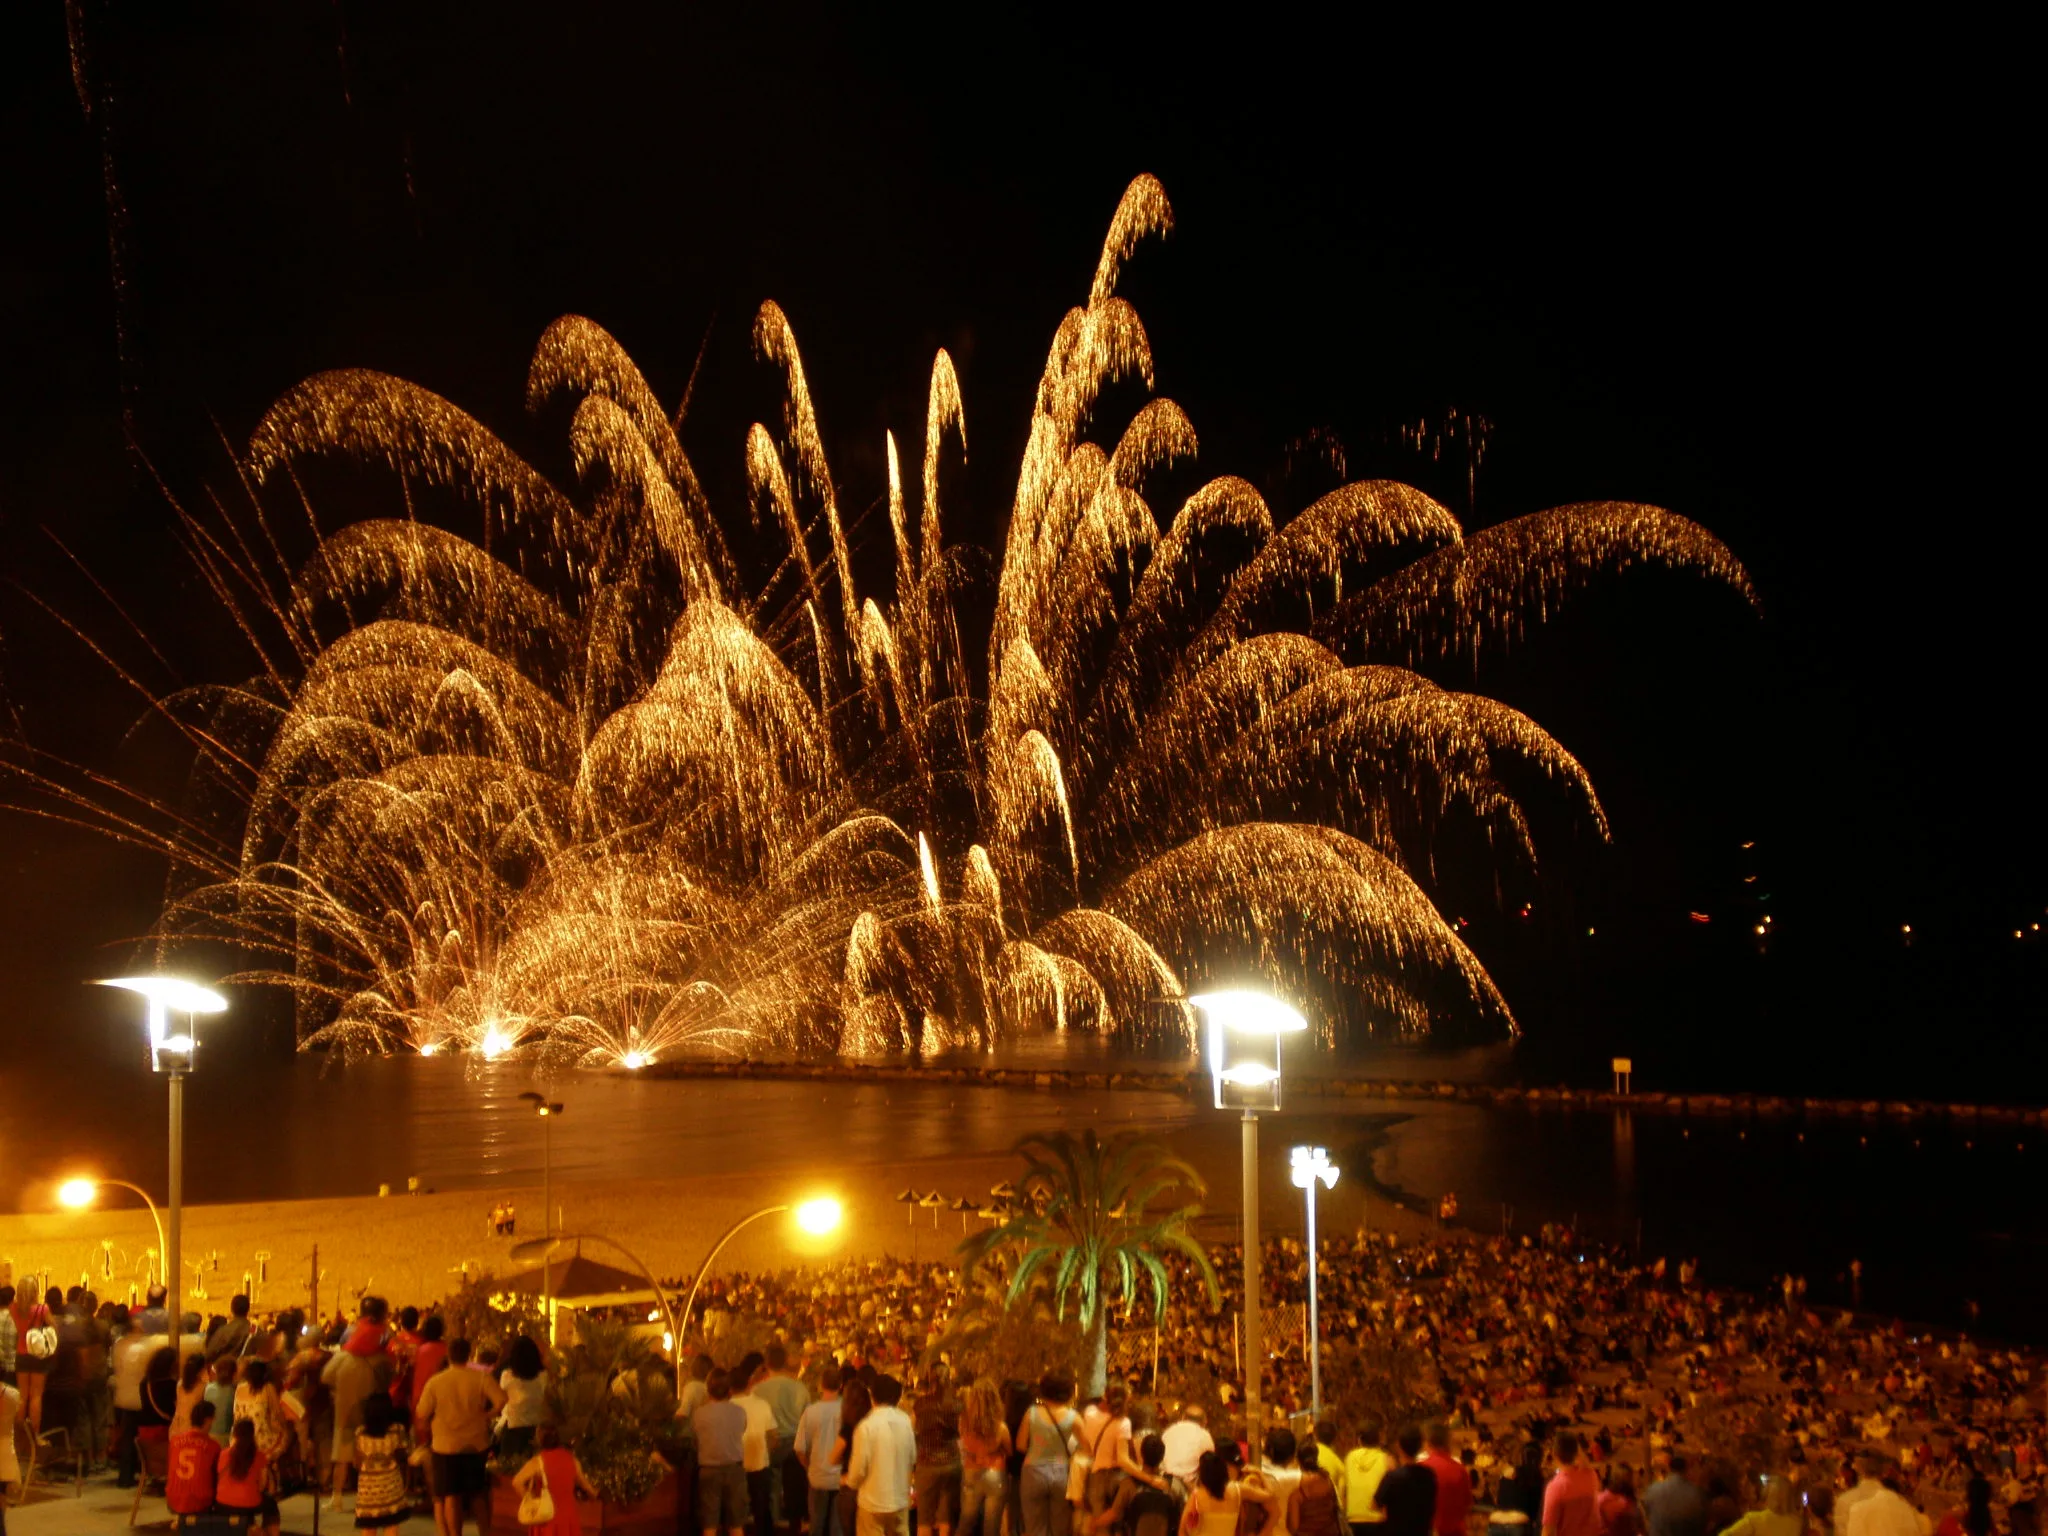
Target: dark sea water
{"points": [[1940, 1219]]}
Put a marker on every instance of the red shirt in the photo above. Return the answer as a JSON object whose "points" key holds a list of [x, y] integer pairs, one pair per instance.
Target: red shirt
{"points": [[1571, 1504], [1453, 1492], [426, 1360], [240, 1492], [189, 1490]]}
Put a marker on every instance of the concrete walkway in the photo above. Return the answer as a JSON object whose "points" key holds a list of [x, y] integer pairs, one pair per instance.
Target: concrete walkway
{"points": [[55, 1510]]}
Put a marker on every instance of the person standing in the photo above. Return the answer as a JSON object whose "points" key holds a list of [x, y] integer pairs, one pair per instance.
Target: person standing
{"points": [[1782, 1516], [984, 1454], [882, 1456], [1363, 1469], [453, 1415], [784, 1392], [526, 1399], [1408, 1492], [936, 1418], [231, 1338], [817, 1428], [1280, 1470], [1046, 1437], [1187, 1441], [1884, 1513], [1619, 1513], [36, 1342], [1314, 1508], [132, 1349], [720, 1428], [351, 1380], [759, 1445], [10, 1336], [1571, 1503], [1673, 1505], [1453, 1483], [553, 1467], [855, 1404], [380, 1459]]}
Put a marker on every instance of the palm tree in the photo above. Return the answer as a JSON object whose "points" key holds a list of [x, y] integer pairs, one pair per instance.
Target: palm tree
{"points": [[1085, 1209]]}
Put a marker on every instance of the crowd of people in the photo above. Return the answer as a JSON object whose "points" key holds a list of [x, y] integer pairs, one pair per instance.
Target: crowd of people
{"points": [[1541, 1382]]}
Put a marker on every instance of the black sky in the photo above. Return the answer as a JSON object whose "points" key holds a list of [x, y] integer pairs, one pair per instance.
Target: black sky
{"points": [[1772, 280]]}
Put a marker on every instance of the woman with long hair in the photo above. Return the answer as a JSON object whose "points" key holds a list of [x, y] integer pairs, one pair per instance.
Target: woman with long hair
{"points": [[1312, 1509], [1217, 1500], [856, 1403], [526, 1399], [191, 1389], [256, 1403], [984, 1453], [241, 1478], [553, 1467], [1047, 1437]]}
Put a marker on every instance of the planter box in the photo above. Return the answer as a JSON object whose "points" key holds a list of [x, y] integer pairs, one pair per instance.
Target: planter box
{"points": [[659, 1514]]}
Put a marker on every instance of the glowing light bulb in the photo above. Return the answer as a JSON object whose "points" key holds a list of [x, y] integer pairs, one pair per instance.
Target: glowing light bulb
{"points": [[1250, 1074], [819, 1216], [77, 1193]]}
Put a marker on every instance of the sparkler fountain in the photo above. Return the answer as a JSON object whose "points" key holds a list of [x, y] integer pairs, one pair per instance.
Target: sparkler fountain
{"points": [[569, 788]]}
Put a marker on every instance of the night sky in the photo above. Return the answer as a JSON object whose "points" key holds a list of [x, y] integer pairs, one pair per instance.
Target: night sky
{"points": [[1769, 280]]}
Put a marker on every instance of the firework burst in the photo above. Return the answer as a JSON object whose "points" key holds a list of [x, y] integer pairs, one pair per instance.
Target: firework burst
{"points": [[567, 787]]}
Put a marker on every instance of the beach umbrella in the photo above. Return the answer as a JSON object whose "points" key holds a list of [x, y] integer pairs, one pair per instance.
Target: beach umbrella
{"points": [[934, 1202], [963, 1205], [1003, 1191], [908, 1200]]}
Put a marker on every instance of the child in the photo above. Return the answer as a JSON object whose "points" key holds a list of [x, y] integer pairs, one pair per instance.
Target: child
{"points": [[239, 1478], [194, 1454], [221, 1393], [381, 1444]]}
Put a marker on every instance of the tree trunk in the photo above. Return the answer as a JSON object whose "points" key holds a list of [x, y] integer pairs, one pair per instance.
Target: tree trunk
{"points": [[1098, 1354]]}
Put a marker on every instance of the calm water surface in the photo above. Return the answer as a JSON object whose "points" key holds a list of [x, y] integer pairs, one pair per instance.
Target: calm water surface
{"points": [[1940, 1219]]}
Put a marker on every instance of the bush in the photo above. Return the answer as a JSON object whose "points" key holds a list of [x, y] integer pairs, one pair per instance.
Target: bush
{"points": [[477, 1311]]}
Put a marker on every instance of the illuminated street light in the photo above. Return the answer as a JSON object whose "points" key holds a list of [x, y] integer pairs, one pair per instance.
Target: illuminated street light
{"points": [[816, 1217], [1309, 1165], [547, 1113], [79, 1194], [174, 1056], [1247, 1082]]}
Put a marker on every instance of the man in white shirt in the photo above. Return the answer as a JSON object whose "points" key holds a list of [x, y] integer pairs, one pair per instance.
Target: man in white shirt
{"points": [[879, 1463], [757, 1444], [1884, 1513], [1187, 1440], [130, 1361], [1868, 1469]]}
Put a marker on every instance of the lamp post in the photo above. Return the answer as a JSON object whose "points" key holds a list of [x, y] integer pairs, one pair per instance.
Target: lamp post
{"points": [[547, 1113], [1309, 1165], [174, 1056], [816, 1217], [78, 1194], [1244, 1080]]}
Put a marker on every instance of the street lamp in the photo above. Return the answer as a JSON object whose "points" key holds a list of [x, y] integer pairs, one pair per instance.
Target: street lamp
{"points": [[1244, 1080], [79, 1194], [815, 1217], [1309, 1165], [174, 1056], [547, 1113]]}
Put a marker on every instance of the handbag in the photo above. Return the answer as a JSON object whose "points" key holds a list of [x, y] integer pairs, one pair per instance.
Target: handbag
{"points": [[41, 1342], [538, 1507]]}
